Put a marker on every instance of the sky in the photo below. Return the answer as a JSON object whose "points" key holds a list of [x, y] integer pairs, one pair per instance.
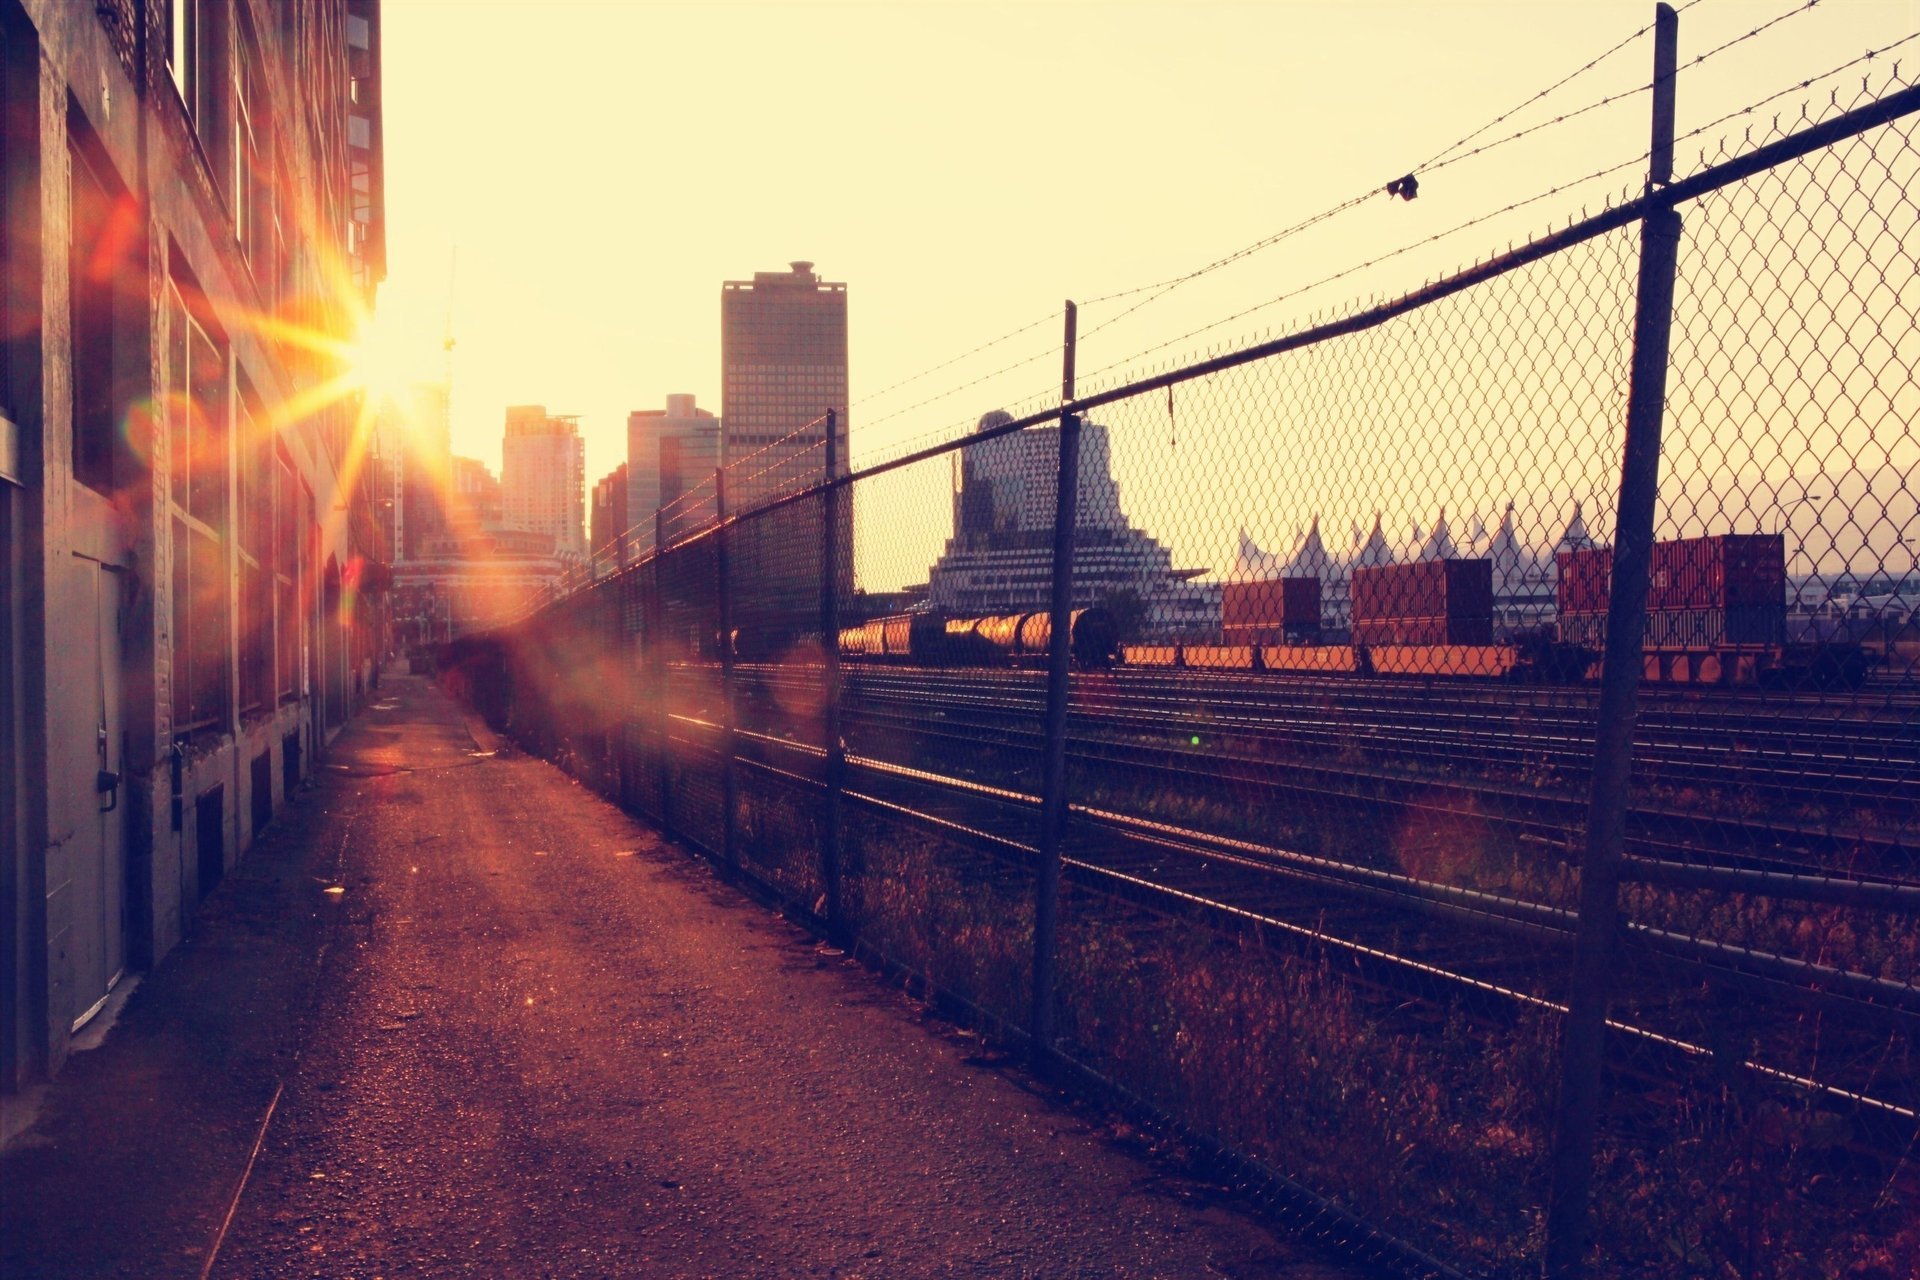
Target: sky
{"points": [[569, 183]]}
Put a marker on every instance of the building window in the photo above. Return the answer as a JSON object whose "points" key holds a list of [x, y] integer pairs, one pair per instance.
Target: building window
{"points": [[254, 213], [289, 622], [254, 486], [198, 407], [105, 228], [186, 38]]}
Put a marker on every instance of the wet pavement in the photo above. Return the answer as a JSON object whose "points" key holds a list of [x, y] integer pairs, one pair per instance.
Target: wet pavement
{"points": [[455, 1015]]}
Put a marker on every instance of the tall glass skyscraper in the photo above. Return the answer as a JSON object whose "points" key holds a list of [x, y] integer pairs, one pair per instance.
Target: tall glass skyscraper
{"points": [[783, 353]]}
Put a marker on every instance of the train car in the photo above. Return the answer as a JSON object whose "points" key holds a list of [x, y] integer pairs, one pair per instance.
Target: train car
{"points": [[935, 639], [1716, 613], [1716, 616]]}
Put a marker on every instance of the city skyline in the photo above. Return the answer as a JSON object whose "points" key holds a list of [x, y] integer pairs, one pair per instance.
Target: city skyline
{"points": [[944, 251]]}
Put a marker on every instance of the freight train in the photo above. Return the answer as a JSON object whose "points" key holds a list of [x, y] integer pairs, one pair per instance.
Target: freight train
{"points": [[1716, 616]]}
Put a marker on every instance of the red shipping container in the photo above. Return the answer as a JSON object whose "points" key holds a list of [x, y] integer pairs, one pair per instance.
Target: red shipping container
{"points": [[1585, 579], [1288, 603], [1451, 589], [1721, 572], [1727, 571]]}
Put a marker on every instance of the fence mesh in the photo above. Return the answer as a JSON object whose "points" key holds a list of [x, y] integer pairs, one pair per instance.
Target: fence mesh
{"points": [[1334, 638]]}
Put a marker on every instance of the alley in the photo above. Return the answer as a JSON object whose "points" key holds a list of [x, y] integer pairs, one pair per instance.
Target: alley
{"points": [[503, 1031]]}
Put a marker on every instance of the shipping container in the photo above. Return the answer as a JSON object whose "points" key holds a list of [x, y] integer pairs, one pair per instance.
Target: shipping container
{"points": [[1726, 571], [1458, 593], [1289, 604], [1585, 579], [1723, 572]]}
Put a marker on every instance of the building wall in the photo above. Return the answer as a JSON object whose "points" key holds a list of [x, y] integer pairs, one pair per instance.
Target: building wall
{"points": [[687, 464], [180, 230], [544, 477], [665, 449], [607, 535]]}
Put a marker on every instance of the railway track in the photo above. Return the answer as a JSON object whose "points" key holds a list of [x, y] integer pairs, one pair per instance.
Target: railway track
{"points": [[1859, 763], [1499, 954], [1545, 818]]}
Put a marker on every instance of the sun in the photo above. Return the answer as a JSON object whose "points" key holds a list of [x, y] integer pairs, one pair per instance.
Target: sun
{"points": [[379, 361]]}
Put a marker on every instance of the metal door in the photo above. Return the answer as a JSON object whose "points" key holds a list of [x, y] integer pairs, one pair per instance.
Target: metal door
{"points": [[97, 942]]}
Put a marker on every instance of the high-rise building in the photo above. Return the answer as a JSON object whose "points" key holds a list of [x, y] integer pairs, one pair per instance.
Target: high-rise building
{"points": [[671, 452], [783, 354], [687, 465], [421, 423], [607, 522], [476, 501], [783, 351], [544, 481]]}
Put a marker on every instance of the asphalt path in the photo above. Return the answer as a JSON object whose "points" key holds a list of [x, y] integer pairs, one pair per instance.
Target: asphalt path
{"points": [[455, 1015]]}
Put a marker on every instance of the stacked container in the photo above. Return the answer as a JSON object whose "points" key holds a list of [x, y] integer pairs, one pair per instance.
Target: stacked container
{"points": [[1425, 603], [1270, 612], [1702, 593]]}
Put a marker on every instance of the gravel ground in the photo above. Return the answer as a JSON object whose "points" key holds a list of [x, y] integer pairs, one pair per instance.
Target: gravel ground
{"points": [[529, 1040]]}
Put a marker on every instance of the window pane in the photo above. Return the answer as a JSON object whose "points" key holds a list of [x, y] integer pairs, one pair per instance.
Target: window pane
{"points": [[209, 411], [93, 265]]}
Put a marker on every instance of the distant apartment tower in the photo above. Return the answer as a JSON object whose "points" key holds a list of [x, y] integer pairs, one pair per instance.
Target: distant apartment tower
{"points": [[783, 353], [671, 457], [543, 482], [607, 522], [422, 422], [476, 501]]}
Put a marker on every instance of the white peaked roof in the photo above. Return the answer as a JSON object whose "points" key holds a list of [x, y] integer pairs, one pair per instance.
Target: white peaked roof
{"points": [[1310, 558], [1576, 536], [1251, 564], [1513, 562], [1439, 543], [1375, 549]]}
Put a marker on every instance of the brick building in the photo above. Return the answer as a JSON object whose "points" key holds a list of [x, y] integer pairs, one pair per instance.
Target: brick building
{"points": [[191, 547]]}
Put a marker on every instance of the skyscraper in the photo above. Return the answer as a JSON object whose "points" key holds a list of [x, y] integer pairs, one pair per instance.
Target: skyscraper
{"points": [[671, 453], [607, 522], [783, 352], [422, 424], [544, 480]]}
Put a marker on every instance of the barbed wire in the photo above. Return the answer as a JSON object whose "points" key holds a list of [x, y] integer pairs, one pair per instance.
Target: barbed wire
{"points": [[1517, 205], [1050, 317], [1442, 159]]}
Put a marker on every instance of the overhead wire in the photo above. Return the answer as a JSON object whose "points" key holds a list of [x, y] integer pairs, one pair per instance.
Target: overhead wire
{"points": [[1516, 205], [1447, 157]]}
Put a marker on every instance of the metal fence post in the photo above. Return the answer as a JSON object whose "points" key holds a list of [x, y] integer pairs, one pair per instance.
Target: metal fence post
{"points": [[836, 756], [729, 849], [1053, 793], [657, 636], [1583, 1054]]}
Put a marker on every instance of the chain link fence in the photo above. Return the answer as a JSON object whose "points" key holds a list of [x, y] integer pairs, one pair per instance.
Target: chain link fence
{"points": [[1449, 768]]}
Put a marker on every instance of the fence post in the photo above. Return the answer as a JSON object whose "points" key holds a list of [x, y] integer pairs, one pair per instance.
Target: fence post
{"points": [[729, 850], [1583, 1053], [1053, 787], [664, 722], [836, 756]]}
